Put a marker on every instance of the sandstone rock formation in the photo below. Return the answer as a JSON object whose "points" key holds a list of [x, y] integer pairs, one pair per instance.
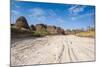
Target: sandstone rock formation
{"points": [[60, 30], [33, 28], [21, 22], [21, 26], [55, 30], [40, 27], [51, 29]]}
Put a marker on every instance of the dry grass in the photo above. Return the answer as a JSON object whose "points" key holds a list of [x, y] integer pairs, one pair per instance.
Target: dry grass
{"points": [[86, 34]]}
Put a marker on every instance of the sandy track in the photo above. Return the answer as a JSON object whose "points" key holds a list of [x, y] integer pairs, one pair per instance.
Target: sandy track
{"points": [[52, 49]]}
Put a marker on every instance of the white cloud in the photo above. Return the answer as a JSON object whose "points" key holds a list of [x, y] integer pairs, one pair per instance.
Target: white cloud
{"points": [[15, 12], [17, 6], [76, 9], [60, 20], [73, 18], [88, 14], [82, 16], [42, 15], [71, 8], [74, 12], [37, 12], [52, 13]]}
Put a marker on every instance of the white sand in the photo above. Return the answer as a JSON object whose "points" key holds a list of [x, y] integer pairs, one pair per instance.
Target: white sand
{"points": [[52, 49]]}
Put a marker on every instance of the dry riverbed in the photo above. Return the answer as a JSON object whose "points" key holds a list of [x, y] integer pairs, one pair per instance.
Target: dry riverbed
{"points": [[52, 49]]}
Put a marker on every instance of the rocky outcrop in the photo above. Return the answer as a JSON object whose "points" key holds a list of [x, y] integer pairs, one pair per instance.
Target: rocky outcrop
{"points": [[32, 27], [21, 27], [55, 30], [40, 27], [60, 30], [21, 22], [51, 29]]}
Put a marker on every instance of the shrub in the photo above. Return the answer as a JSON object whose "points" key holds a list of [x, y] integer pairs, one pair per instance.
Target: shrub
{"points": [[36, 34]]}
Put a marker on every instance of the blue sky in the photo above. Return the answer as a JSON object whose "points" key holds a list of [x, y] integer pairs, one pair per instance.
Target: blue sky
{"points": [[67, 16]]}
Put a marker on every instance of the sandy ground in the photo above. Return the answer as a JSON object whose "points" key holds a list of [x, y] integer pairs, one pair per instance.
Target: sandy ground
{"points": [[52, 49]]}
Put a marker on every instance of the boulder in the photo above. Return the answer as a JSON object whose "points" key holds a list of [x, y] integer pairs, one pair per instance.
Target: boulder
{"points": [[52, 29], [32, 27], [40, 27], [60, 30], [21, 22]]}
